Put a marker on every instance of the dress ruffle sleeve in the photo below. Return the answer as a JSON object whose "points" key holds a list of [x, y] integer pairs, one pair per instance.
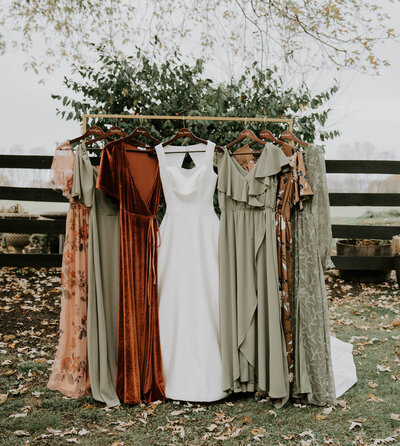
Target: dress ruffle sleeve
{"points": [[257, 181]]}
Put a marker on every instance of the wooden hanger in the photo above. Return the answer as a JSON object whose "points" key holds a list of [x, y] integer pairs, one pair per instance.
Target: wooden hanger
{"points": [[246, 133], [186, 133], [143, 132], [289, 135], [114, 130], [266, 134], [93, 130]]}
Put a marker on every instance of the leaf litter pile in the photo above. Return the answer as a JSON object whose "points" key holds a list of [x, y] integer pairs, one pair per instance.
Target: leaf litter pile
{"points": [[367, 315]]}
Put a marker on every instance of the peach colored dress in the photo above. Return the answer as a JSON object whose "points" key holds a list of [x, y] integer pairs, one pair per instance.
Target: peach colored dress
{"points": [[70, 369]]}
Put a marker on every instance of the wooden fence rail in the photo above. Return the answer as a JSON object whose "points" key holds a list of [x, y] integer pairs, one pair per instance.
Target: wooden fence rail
{"points": [[31, 226]]}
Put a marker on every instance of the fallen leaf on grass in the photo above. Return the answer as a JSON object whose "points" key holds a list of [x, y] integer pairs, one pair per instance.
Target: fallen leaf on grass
{"points": [[83, 432], [175, 413], [18, 415], [87, 406], [258, 433], [21, 433], [272, 412], [246, 420], [395, 416], [307, 434], [374, 398], [212, 427], [383, 368], [342, 404], [288, 437], [180, 430], [372, 385], [37, 394], [3, 398], [353, 425], [72, 440], [233, 432], [320, 417], [384, 440], [328, 410]]}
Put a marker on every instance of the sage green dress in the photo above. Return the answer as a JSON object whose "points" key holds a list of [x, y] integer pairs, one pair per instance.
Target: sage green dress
{"points": [[102, 314], [312, 238], [252, 341]]}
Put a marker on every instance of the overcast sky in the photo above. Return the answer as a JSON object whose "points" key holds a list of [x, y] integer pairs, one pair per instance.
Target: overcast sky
{"points": [[366, 111]]}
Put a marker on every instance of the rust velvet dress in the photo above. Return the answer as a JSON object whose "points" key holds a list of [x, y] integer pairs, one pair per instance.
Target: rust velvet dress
{"points": [[133, 178]]}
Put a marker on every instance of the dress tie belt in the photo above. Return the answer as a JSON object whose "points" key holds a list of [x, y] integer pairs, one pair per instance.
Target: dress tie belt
{"points": [[153, 238]]}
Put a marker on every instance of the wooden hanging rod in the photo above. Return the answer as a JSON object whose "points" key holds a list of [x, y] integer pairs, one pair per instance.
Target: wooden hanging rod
{"points": [[85, 117]]}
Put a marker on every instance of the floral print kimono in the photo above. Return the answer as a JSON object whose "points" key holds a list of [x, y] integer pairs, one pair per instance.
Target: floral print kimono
{"points": [[293, 187], [70, 369]]}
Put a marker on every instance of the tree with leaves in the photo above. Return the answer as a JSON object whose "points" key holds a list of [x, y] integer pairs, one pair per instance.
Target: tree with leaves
{"points": [[302, 35], [134, 84]]}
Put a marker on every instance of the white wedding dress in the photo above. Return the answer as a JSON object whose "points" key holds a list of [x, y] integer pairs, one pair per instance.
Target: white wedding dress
{"points": [[188, 277]]}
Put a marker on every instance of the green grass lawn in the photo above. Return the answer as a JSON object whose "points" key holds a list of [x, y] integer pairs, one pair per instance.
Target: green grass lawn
{"points": [[367, 414]]}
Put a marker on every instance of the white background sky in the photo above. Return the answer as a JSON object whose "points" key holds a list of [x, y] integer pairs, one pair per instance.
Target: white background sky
{"points": [[366, 110]]}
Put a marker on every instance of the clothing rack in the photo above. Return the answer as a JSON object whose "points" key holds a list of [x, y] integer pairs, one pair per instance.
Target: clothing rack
{"points": [[85, 117]]}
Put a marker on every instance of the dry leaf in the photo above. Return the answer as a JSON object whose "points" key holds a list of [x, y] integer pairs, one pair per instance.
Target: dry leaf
{"points": [[175, 413], [383, 368], [320, 417], [384, 440], [353, 425], [300, 406], [374, 398], [395, 416], [272, 412], [87, 406], [3, 398], [18, 415], [212, 427], [246, 420], [373, 385], [307, 433], [328, 410], [21, 433], [83, 432], [37, 394]]}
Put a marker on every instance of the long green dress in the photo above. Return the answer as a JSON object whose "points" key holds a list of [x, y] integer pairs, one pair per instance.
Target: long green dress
{"points": [[311, 256], [102, 314], [252, 341]]}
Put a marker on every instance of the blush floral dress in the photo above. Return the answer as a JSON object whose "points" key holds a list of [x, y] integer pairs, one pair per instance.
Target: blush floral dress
{"points": [[70, 369]]}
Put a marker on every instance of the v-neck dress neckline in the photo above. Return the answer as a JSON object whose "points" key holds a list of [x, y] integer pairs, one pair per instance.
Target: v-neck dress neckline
{"points": [[145, 203], [243, 172]]}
